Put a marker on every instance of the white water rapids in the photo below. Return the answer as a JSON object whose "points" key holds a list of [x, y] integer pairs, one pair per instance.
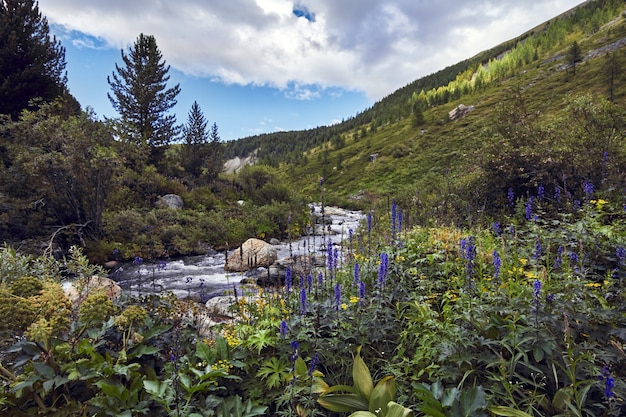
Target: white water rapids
{"points": [[203, 277]]}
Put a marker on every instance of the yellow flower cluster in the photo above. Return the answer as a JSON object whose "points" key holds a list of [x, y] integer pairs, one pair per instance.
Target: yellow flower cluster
{"points": [[593, 285], [354, 299], [599, 203], [224, 365], [231, 339]]}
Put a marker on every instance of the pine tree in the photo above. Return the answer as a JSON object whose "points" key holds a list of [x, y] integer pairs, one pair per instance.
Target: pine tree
{"points": [[196, 140], [141, 97], [32, 63], [574, 56], [216, 152]]}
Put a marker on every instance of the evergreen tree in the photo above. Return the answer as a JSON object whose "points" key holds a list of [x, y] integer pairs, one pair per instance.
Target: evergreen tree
{"points": [[32, 63], [141, 97], [216, 153], [196, 140], [613, 72], [574, 56]]}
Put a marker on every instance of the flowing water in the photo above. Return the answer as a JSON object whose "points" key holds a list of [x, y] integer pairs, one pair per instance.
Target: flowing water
{"points": [[202, 277]]}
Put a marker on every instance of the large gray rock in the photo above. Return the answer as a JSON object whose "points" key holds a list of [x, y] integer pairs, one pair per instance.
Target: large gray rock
{"points": [[252, 254], [171, 201]]}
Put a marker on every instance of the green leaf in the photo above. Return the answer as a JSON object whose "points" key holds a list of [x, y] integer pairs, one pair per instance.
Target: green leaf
{"points": [[383, 392], [300, 368], [362, 414], [396, 410], [362, 379], [44, 370], [508, 412], [343, 403]]}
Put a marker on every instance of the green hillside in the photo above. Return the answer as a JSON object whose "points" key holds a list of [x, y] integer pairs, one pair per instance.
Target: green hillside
{"points": [[406, 146]]}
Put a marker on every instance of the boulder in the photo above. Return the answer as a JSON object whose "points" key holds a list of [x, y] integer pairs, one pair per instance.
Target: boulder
{"points": [[171, 201], [79, 289], [252, 254]]}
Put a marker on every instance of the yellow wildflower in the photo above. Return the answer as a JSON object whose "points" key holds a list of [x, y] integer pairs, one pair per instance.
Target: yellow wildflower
{"points": [[354, 299]]}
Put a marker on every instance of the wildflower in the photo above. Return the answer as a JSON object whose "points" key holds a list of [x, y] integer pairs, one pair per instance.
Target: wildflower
{"points": [[309, 282], [357, 273], [497, 264], [354, 299], [284, 329], [362, 290], [294, 352], [557, 194], [537, 254], [576, 205], [383, 269], [161, 266], [344, 306], [536, 288], [288, 280], [468, 249], [303, 301], [559, 255], [369, 223], [573, 259], [400, 221], [337, 297], [314, 361], [511, 197], [609, 382], [138, 260], [497, 229], [550, 298], [528, 209], [541, 192], [588, 188], [320, 278], [350, 235]]}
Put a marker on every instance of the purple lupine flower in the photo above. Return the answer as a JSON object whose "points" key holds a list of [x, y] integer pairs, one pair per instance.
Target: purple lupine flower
{"points": [[557, 194], [497, 229], [468, 252], [294, 351], [536, 288], [320, 278], [335, 258], [550, 298], [511, 197], [314, 361], [383, 269], [138, 260], [288, 280], [369, 223], [309, 282], [537, 254], [337, 297], [357, 273], [350, 235], [528, 209], [161, 266], [329, 255], [284, 329], [303, 301], [573, 259], [541, 192], [588, 188], [559, 257], [361, 291], [609, 382], [497, 264]]}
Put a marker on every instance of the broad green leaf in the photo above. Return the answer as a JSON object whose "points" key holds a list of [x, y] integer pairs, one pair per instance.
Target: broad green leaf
{"points": [[362, 414], [396, 410], [508, 412], [300, 368], [362, 379], [319, 386], [44, 370], [383, 392], [342, 403]]}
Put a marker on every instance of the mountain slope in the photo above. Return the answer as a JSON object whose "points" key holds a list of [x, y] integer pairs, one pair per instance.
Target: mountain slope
{"points": [[406, 145]]}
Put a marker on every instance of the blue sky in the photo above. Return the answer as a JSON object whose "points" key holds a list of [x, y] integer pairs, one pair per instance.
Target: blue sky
{"points": [[259, 66]]}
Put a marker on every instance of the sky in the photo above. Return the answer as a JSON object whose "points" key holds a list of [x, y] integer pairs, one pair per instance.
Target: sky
{"points": [[261, 66]]}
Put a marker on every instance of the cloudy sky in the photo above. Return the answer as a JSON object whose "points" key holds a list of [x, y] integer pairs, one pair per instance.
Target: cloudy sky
{"points": [[258, 66]]}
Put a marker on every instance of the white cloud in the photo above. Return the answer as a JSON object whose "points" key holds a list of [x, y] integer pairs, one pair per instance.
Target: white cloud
{"points": [[306, 46]]}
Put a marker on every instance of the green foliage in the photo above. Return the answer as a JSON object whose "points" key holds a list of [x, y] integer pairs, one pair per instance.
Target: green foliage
{"points": [[141, 97], [33, 61]]}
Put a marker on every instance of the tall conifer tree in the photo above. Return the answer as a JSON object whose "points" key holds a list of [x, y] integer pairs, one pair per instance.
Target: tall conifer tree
{"points": [[141, 97], [32, 63]]}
